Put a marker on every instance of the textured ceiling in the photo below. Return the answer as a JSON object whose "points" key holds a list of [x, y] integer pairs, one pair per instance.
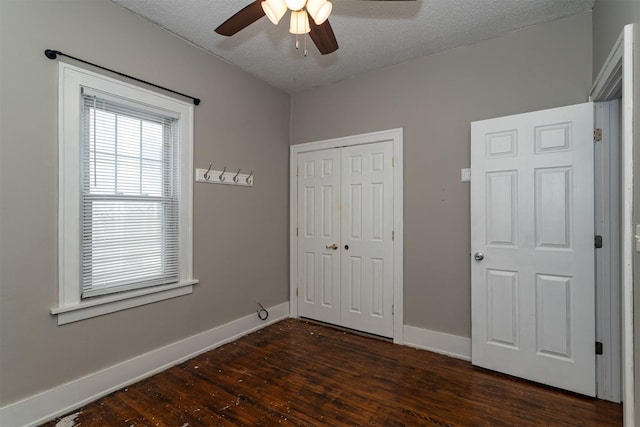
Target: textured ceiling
{"points": [[371, 34]]}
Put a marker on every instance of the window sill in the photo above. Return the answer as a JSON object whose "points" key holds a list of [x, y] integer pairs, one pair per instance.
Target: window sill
{"points": [[112, 303]]}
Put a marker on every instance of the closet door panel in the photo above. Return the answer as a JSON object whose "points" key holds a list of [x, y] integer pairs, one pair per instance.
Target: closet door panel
{"points": [[367, 238], [319, 235]]}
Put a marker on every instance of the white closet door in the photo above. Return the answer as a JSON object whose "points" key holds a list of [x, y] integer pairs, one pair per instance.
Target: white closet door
{"points": [[345, 237], [319, 235], [367, 241], [532, 240]]}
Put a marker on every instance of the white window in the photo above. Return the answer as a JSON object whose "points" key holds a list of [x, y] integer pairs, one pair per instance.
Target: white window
{"points": [[125, 196]]}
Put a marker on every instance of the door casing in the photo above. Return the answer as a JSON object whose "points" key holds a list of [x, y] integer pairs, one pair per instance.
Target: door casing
{"points": [[394, 135], [617, 78]]}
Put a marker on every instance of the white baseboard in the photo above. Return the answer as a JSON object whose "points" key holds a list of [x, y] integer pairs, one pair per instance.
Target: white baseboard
{"points": [[438, 342], [67, 397]]}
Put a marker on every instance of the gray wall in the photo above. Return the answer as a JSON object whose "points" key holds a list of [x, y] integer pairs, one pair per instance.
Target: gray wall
{"points": [[636, 218], [434, 99], [609, 16], [240, 234]]}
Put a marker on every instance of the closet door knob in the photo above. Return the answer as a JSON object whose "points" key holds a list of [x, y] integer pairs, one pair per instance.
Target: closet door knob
{"points": [[334, 246]]}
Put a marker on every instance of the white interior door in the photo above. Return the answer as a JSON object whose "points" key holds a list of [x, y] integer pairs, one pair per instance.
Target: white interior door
{"points": [[532, 244], [367, 238], [345, 237], [319, 235]]}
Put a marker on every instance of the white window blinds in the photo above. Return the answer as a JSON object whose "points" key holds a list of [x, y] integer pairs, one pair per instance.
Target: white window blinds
{"points": [[129, 197]]}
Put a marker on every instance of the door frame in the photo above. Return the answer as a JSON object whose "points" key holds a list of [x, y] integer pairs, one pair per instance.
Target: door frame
{"points": [[393, 135], [608, 271], [616, 77]]}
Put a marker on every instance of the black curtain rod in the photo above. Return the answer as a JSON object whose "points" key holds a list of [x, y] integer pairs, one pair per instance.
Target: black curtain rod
{"points": [[53, 54]]}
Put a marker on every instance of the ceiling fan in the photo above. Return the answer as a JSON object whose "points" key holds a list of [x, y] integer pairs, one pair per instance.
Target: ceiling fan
{"points": [[307, 16]]}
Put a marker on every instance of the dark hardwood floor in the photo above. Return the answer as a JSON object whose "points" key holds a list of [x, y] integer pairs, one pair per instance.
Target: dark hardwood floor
{"points": [[300, 373]]}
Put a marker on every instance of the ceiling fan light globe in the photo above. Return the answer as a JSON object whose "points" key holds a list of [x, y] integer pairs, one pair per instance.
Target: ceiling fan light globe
{"points": [[319, 10], [274, 9], [299, 22], [295, 4]]}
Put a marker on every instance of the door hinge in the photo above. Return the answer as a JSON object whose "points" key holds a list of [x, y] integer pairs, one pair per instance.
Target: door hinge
{"points": [[393, 162], [598, 242], [597, 135], [393, 235], [393, 309], [599, 348], [297, 171], [296, 231], [296, 291]]}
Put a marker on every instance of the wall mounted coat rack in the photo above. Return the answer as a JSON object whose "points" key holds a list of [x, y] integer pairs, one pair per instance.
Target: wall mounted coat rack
{"points": [[224, 176]]}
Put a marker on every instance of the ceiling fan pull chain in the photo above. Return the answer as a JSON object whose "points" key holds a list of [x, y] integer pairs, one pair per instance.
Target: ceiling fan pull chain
{"points": [[297, 42], [305, 45]]}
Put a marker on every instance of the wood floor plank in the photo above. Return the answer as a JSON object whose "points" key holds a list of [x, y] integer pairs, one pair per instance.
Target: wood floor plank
{"points": [[303, 374]]}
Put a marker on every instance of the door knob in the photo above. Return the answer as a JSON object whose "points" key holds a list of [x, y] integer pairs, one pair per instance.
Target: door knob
{"points": [[478, 256], [334, 246], [346, 247]]}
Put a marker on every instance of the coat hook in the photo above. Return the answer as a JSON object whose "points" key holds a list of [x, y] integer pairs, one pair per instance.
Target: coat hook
{"points": [[206, 174], [222, 174], [235, 178], [248, 179]]}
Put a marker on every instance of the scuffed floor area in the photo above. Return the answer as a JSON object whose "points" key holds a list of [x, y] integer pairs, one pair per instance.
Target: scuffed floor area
{"points": [[298, 373]]}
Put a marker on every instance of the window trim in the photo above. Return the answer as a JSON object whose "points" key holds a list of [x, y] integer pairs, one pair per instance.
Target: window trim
{"points": [[70, 307]]}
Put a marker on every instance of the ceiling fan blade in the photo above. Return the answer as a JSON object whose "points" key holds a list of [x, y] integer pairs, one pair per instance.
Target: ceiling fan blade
{"points": [[242, 19], [322, 35]]}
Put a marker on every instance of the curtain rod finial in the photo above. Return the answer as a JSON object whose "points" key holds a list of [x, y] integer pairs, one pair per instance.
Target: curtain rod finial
{"points": [[196, 101], [51, 54]]}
